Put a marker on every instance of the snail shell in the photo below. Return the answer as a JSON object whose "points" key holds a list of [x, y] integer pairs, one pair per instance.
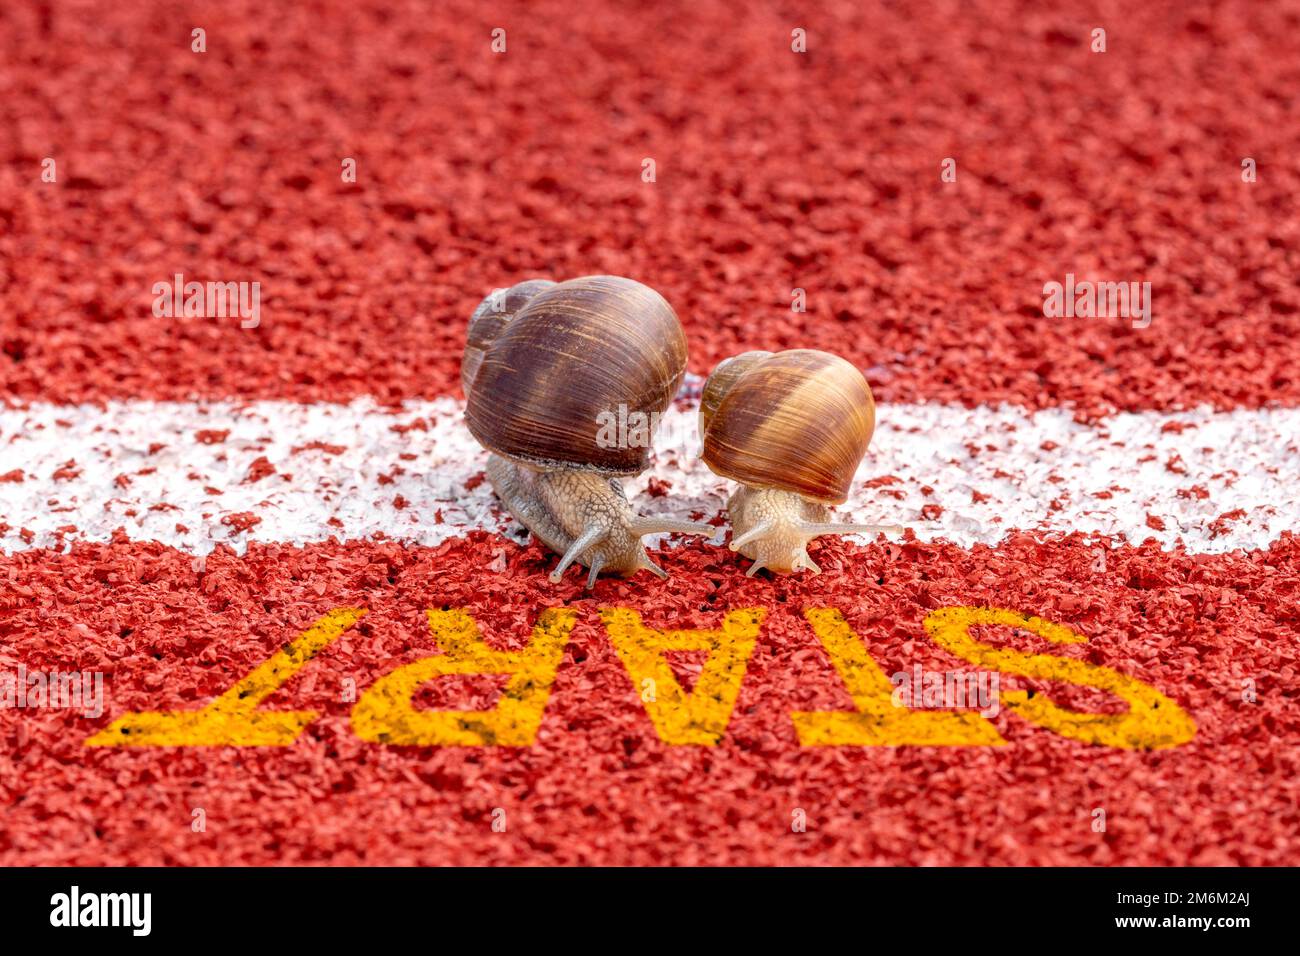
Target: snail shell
{"points": [[490, 318], [797, 421], [544, 361], [543, 365]]}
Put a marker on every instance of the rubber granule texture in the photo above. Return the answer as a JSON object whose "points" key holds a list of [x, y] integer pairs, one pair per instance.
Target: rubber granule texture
{"points": [[775, 171], [598, 785]]}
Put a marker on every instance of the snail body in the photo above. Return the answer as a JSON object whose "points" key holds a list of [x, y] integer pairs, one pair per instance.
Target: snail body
{"points": [[791, 428], [545, 364]]}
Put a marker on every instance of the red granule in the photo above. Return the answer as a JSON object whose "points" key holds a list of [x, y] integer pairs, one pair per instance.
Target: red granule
{"points": [[241, 520], [259, 469], [1219, 526], [1155, 522], [417, 425], [211, 436], [319, 446], [14, 476]]}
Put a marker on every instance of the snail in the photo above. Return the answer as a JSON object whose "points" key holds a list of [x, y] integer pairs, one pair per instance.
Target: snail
{"points": [[791, 427], [545, 364]]}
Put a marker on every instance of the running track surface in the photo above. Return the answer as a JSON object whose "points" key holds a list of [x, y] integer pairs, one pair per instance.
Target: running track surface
{"points": [[180, 499]]}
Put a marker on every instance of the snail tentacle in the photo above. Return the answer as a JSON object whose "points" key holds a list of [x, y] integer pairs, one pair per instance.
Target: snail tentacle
{"points": [[774, 528], [653, 568], [752, 534], [596, 565], [809, 563], [581, 544], [582, 516]]}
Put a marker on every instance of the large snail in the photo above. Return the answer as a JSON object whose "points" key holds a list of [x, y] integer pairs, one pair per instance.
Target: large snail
{"points": [[791, 427], [545, 364]]}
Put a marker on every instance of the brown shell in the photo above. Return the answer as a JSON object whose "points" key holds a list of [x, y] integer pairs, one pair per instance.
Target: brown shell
{"points": [[490, 318], [721, 379], [548, 378], [799, 420]]}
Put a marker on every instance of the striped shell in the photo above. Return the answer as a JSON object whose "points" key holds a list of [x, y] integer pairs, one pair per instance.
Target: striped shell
{"points": [[799, 421], [490, 318], [547, 368]]}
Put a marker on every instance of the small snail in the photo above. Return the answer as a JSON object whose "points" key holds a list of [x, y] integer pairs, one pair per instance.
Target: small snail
{"points": [[791, 427], [544, 365]]}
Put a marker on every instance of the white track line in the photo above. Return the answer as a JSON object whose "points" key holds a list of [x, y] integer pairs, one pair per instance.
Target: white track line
{"points": [[990, 470]]}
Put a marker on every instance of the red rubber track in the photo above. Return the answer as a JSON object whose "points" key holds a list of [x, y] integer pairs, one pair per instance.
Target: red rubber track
{"points": [[775, 170], [598, 786]]}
